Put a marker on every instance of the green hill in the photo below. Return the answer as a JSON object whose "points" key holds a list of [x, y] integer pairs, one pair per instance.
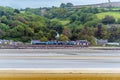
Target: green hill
{"points": [[116, 15]]}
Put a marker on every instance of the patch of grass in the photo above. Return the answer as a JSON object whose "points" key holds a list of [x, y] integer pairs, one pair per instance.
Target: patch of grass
{"points": [[22, 11], [63, 22], [116, 15], [115, 8]]}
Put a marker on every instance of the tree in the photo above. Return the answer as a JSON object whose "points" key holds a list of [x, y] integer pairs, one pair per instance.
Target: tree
{"points": [[93, 10], [86, 17], [63, 5], [57, 26], [69, 5], [29, 32], [16, 11], [92, 23], [98, 33], [67, 32], [4, 27], [73, 18], [21, 19], [4, 20], [118, 21], [44, 39], [63, 38], [2, 34], [101, 32], [52, 35], [108, 20], [114, 34]]}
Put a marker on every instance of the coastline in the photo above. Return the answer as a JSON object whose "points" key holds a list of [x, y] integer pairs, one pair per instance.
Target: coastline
{"points": [[64, 50], [58, 47], [60, 71]]}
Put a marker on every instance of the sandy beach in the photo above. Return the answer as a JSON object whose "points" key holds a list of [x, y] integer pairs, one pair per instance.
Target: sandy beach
{"points": [[55, 74], [58, 76]]}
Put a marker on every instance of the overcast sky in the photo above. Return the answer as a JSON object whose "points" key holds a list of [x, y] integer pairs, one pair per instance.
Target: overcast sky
{"points": [[46, 3]]}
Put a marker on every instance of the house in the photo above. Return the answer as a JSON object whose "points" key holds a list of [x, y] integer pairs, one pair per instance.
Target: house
{"points": [[17, 43], [102, 42], [43, 11], [83, 43], [5, 42]]}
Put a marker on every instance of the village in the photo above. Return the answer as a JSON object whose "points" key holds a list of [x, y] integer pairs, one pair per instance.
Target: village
{"points": [[37, 44]]}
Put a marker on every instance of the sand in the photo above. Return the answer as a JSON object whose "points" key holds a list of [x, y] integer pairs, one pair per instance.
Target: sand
{"points": [[58, 76]]}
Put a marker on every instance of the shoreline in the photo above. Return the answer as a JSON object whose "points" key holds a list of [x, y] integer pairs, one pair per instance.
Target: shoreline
{"points": [[57, 48], [60, 71]]}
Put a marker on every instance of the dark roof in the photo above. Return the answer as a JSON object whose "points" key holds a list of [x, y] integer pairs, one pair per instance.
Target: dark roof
{"points": [[35, 41], [102, 41], [83, 41]]}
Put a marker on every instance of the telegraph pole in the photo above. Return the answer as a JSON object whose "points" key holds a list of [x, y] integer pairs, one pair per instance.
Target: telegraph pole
{"points": [[109, 2]]}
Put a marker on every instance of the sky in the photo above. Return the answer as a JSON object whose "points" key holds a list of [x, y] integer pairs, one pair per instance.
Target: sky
{"points": [[46, 3]]}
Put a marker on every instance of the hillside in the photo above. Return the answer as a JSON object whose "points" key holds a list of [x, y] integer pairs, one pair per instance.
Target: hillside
{"points": [[44, 24], [116, 15], [113, 4]]}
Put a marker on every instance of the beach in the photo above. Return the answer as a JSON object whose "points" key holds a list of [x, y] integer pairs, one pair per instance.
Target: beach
{"points": [[58, 76], [60, 64]]}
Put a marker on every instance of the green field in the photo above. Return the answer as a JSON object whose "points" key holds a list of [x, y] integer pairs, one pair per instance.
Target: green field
{"points": [[116, 15], [63, 22]]}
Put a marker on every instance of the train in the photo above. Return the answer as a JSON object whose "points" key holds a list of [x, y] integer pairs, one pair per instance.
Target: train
{"points": [[53, 43], [83, 43]]}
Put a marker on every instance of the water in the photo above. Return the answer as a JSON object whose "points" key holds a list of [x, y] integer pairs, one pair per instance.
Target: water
{"points": [[60, 58]]}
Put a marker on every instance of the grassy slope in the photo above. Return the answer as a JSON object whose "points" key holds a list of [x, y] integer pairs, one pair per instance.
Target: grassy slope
{"points": [[63, 22], [116, 15]]}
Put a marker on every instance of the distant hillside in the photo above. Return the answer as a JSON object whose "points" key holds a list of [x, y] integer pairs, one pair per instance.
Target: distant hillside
{"points": [[116, 15], [113, 4]]}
